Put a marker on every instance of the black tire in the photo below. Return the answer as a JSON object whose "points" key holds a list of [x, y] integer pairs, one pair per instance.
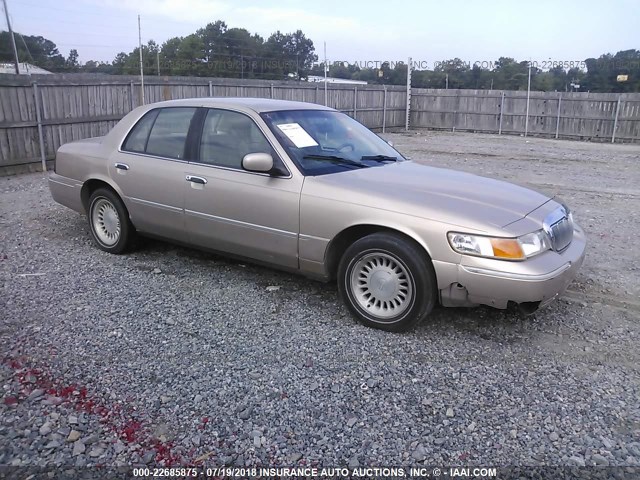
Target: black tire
{"points": [[111, 205], [414, 276]]}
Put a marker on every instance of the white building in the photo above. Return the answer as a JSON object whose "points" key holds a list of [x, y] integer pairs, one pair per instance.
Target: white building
{"points": [[24, 68], [318, 78]]}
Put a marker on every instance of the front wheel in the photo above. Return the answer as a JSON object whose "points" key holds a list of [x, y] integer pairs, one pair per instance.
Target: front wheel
{"points": [[387, 281], [109, 221]]}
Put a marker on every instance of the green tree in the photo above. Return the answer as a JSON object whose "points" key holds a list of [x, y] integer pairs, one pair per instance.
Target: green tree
{"points": [[602, 73], [301, 48], [93, 66], [214, 49], [71, 64], [456, 70], [511, 75], [243, 52], [32, 49], [292, 53]]}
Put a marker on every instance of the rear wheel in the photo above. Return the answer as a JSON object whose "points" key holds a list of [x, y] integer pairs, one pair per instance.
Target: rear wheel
{"points": [[387, 281], [109, 221]]}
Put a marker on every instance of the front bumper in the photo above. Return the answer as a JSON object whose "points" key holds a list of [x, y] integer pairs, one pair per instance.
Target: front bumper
{"points": [[496, 283]]}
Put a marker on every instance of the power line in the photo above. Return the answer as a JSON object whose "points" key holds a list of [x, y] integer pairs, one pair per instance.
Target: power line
{"points": [[84, 34], [68, 22], [102, 15], [90, 45], [58, 9]]}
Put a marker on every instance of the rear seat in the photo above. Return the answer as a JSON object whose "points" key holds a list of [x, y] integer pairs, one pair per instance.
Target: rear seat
{"points": [[171, 145]]}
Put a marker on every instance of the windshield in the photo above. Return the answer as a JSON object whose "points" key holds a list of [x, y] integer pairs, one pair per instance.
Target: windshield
{"points": [[322, 141]]}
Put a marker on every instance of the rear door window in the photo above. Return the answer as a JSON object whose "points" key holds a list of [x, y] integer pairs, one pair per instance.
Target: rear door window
{"points": [[161, 132], [168, 136]]}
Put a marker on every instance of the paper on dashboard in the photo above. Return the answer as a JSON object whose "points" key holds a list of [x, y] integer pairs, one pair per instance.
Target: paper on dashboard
{"points": [[297, 135]]}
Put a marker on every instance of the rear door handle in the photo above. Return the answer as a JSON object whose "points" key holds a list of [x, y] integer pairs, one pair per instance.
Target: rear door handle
{"points": [[194, 179], [122, 166]]}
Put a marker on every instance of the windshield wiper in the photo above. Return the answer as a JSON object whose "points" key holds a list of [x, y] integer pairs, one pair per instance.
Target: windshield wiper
{"points": [[335, 159], [380, 158]]}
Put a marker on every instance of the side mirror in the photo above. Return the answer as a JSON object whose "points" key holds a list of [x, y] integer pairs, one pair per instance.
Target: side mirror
{"points": [[258, 162]]}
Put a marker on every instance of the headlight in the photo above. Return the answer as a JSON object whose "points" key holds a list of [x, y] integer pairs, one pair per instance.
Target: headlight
{"points": [[535, 243], [503, 248]]}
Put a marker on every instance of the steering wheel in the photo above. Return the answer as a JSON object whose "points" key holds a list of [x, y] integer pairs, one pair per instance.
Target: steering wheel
{"points": [[342, 147]]}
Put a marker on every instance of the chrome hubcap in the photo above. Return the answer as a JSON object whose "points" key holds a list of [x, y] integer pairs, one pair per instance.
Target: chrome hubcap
{"points": [[381, 285], [106, 222]]}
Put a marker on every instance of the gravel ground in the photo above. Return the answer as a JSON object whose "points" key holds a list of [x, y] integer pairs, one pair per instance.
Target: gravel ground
{"points": [[170, 356]]}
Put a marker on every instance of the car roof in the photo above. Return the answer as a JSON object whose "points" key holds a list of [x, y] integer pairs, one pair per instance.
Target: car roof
{"points": [[258, 105]]}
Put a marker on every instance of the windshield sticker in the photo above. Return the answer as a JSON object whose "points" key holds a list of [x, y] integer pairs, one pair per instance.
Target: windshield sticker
{"points": [[297, 135]]}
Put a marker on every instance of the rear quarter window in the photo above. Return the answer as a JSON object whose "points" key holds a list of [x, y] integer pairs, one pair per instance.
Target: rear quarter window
{"points": [[137, 139]]}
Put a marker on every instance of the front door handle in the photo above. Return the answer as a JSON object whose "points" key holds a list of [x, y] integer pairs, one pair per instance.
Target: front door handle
{"points": [[121, 166], [194, 179]]}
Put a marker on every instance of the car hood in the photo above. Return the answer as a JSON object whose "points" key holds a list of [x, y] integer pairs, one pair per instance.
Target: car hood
{"points": [[449, 196]]}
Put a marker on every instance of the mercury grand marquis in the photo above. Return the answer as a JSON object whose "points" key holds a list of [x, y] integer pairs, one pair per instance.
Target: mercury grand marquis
{"points": [[305, 188]]}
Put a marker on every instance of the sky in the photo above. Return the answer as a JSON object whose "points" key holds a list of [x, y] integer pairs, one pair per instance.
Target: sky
{"points": [[354, 31]]}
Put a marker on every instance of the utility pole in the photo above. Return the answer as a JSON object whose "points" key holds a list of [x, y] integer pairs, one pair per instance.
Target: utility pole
{"points": [[446, 82], [13, 40], [325, 73], [158, 57], [526, 120], [141, 66], [408, 109]]}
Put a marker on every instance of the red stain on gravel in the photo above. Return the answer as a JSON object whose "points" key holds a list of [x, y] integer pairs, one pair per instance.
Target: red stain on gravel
{"points": [[112, 416], [164, 454], [15, 364], [129, 431], [203, 425]]}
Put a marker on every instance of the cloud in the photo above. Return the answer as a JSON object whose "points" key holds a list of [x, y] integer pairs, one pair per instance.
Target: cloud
{"points": [[290, 19], [191, 11], [263, 20], [166, 18]]}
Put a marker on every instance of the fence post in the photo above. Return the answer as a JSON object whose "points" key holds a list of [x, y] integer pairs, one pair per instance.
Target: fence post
{"points": [[384, 108], [355, 101], [526, 118], [210, 88], [317, 91], [615, 121], [558, 117], [271, 89], [40, 133], [501, 110], [131, 94]]}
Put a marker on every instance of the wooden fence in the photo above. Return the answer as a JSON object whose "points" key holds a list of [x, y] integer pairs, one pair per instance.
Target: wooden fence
{"points": [[51, 110], [588, 116], [42, 112]]}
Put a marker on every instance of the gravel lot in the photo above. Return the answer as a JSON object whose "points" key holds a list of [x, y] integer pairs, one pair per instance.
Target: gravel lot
{"points": [[170, 356]]}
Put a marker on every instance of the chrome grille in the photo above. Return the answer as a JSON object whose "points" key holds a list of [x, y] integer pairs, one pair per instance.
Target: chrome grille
{"points": [[561, 233]]}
